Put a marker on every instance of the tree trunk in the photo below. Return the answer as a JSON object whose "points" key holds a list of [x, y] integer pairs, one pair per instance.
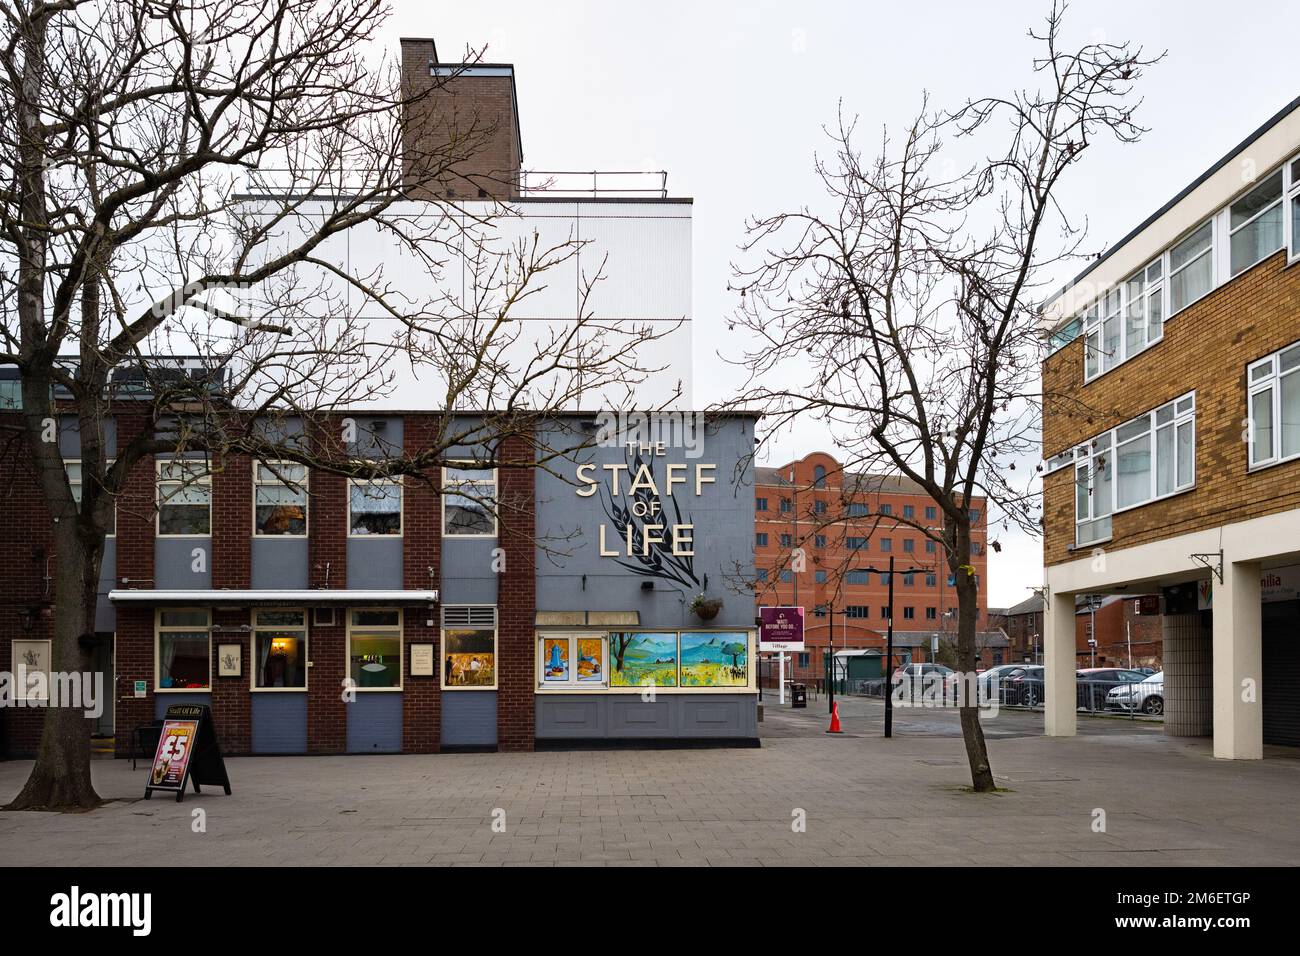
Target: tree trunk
{"points": [[60, 779], [972, 732]]}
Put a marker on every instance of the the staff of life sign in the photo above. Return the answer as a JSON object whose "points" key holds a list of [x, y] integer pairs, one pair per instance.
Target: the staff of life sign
{"points": [[780, 629]]}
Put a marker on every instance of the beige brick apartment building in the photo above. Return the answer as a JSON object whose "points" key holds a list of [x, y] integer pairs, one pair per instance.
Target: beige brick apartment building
{"points": [[1171, 438]]}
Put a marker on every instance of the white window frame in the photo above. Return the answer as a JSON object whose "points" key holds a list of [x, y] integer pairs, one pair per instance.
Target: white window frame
{"points": [[159, 628], [203, 480], [572, 684], [1291, 200], [401, 509], [76, 496], [1272, 379], [401, 645], [306, 649], [1232, 231], [445, 490], [258, 482], [496, 647], [1108, 444]]}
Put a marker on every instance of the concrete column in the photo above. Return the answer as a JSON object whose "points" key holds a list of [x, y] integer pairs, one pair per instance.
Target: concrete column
{"points": [[1238, 663], [1060, 718]]}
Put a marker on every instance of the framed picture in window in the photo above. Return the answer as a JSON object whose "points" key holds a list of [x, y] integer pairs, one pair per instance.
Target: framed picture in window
{"points": [[30, 659], [230, 660]]}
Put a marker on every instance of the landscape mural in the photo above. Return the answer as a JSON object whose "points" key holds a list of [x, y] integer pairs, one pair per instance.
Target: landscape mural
{"points": [[641, 658], [715, 660]]}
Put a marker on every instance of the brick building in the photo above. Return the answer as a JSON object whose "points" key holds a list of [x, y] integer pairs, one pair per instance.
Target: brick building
{"points": [[846, 527], [1023, 625], [1128, 631], [1171, 439], [268, 591]]}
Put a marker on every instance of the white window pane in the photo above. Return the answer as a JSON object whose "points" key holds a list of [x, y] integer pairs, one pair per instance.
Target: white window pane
{"points": [[1193, 282], [1290, 424], [1261, 238], [1135, 324], [183, 660], [1191, 247], [1111, 331], [1092, 354], [1288, 360], [1134, 471], [1165, 460], [1081, 497], [1102, 492], [1155, 316], [1186, 456], [1261, 419], [1295, 225], [1263, 195]]}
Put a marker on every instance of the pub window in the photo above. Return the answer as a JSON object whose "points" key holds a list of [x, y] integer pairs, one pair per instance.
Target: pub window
{"points": [[184, 498], [279, 649], [183, 651], [469, 647], [375, 648], [571, 661], [280, 499], [374, 507], [469, 501]]}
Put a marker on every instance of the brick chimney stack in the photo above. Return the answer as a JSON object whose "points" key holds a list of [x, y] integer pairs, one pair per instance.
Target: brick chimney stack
{"points": [[460, 127]]}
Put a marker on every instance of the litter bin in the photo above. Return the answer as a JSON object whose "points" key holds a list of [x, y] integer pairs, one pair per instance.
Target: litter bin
{"points": [[798, 695]]}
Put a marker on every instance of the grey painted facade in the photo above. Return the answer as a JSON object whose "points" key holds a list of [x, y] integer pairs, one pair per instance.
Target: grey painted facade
{"points": [[375, 723], [279, 562], [279, 723], [469, 718], [623, 716]]}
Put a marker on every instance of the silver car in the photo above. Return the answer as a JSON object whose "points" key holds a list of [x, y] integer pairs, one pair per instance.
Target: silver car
{"points": [[1148, 696]]}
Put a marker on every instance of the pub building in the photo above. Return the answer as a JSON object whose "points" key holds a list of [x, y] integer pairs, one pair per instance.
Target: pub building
{"points": [[317, 614]]}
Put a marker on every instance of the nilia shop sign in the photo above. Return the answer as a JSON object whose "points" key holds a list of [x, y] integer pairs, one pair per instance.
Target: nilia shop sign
{"points": [[639, 500]]}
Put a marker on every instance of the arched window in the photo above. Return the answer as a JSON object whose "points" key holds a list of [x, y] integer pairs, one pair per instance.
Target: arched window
{"points": [[819, 477]]}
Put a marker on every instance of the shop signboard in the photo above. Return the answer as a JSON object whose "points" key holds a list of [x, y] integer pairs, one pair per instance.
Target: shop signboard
{"points": [[187, 752], [780, 629]]}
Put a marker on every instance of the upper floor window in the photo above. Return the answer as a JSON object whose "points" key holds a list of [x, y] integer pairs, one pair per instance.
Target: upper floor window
{"points": [[819, 477], [819, 507], [819, 610], [787, 576], [760, 504], [886, 509], [1138, 462], [786, 506], [184, 498], [762, 575], [1274, 384], [909, 511], [280, 499], [11, 390], [1191, 268], [858, 577], [75, 481], [787, 540], [375, 507], [1293, 192], [760, 539], [886, 545], [1256, 224], [819, 540], [859, 509], [855, 544], [857, 610], [469, 498], [820, 577]]}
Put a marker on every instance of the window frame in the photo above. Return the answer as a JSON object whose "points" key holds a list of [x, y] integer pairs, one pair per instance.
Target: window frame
{"points": [[349, 627], [1270, 382], [496, 648], [1291, 208], [401, 508], [458, 464], [159, 628], [1108, 443], [306, 493], [572, 684], [1281, 200], [108, 463], [253, 629], [204, 480]]}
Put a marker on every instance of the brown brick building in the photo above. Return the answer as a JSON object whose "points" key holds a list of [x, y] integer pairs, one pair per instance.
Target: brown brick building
{"points": [[1171, 438], [823, 541]]}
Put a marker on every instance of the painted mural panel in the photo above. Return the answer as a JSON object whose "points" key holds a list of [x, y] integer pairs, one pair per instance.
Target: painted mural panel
{"points": [[591, 660], [646, 658], [715, 660], [469, 658], [555, 660]]}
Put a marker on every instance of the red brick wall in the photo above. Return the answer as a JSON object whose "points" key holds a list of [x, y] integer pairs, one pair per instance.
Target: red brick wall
{"points": [[516, 603], [231, 698], [232, 524], [327, 728], [135, 631], [421, 551]]}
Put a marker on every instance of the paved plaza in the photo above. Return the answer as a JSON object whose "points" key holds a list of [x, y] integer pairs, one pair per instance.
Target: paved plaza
{"points": [[865, 800]]}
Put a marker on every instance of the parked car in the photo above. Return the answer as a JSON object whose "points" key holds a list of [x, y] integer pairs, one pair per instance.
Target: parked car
{"points": [[918, 677], [992, 682], [1147, 695], [1024, 686], [1095, 683]]}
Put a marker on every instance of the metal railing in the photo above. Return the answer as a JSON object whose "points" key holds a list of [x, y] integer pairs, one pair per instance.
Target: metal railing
{"points": [[595, 183], [1093, 697]]}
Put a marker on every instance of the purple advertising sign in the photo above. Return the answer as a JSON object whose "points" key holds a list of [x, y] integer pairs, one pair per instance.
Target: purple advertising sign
{"points": [[780, 629]]}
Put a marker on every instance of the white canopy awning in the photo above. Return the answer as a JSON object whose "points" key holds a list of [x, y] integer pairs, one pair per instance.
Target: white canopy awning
{"points": [[306, 596]]}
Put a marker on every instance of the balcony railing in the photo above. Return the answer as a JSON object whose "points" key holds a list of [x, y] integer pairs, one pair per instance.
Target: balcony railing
{"points": [[594, 184]]}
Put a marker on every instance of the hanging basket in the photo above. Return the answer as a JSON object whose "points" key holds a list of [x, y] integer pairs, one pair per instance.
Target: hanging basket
{"points": [[706, 609]]}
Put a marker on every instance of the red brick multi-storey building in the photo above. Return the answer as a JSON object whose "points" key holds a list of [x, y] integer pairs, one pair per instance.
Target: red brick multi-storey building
{"points": [[823, 541]]}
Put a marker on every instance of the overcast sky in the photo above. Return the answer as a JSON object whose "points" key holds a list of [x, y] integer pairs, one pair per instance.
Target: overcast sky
{"points": [[730, 99]]}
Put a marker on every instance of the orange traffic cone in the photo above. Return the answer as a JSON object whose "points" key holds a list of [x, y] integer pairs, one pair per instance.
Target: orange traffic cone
{"points": [[835, 719]]}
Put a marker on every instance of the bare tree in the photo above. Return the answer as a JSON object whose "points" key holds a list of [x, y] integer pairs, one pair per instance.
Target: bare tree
{"points": [[138, 217], [905, 316]]}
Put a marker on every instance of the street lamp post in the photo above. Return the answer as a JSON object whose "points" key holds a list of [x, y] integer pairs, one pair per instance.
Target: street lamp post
{"points": [[889, 640]]}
